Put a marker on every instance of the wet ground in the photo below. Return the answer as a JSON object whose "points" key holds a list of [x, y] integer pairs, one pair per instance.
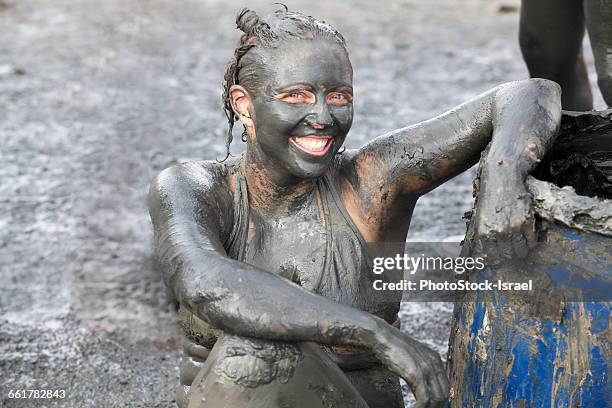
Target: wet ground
{"points": [[97, 97]]}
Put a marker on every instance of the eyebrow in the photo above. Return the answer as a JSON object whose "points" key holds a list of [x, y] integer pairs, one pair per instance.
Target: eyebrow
{"points": [[343, 88], [300, 85], [293, 87]]}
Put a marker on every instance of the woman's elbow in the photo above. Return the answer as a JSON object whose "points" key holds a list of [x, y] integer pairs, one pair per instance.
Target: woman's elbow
{"points": [[202, 287], [541, 97], [534, 89], [546, 90]]}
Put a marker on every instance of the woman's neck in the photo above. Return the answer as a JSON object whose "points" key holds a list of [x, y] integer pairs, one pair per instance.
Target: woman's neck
{"points": [[271, 188]]}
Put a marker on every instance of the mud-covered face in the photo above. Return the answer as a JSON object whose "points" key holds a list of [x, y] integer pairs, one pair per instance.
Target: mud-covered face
{"points": [[305, 112]]}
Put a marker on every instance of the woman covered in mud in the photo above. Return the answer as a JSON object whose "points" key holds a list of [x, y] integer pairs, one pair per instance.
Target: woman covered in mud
{"points": [[266, 253]]}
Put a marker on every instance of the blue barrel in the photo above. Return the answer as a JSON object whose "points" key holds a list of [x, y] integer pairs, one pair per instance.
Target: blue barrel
{"points": [[549, 347]]}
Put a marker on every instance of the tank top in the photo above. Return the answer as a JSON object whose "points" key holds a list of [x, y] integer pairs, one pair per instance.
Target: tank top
{"points": [[346, 276]]}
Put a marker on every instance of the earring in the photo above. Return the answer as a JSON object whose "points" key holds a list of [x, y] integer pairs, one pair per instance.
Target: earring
{"points": [[244, 134]]}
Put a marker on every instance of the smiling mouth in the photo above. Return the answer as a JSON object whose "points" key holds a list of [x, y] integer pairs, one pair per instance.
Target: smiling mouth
{"points": [[316, 146]]}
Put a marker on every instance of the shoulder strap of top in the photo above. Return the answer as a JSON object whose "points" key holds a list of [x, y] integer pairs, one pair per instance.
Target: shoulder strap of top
{"points": [[334, 199], [235, 245], [331, 202], [329, 234]]}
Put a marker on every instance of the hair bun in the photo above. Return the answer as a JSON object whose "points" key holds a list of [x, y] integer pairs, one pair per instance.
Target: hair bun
{"points": [[246, 20]]}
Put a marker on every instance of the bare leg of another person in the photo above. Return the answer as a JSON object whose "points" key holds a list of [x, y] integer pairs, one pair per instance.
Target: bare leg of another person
{"points": [[551, 33], [599, 23]]}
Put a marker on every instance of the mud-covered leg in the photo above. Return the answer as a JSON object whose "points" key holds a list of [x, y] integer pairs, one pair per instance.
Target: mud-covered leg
{"points": [[194, 357], [599, 24], [251, 373], [378, 386], [551, 33]]}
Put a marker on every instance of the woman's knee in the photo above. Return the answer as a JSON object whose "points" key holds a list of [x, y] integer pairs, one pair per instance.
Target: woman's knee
{"points": [[272, 374]]}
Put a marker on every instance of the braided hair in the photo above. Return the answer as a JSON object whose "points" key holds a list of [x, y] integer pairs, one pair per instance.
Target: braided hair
{"points": [[247, 67]]}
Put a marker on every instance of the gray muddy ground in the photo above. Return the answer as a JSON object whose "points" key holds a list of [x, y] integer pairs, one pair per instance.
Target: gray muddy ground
{"points": [[97, 97]]}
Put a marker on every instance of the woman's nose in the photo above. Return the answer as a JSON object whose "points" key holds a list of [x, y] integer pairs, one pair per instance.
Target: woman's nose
{"points": [[320, 118]]}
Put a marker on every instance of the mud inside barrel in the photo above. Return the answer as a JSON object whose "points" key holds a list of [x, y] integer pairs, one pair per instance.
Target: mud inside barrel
{"points": [[581, 156], [573, 183]]}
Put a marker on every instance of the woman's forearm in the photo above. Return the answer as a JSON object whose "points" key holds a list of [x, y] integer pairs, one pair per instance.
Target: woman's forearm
{"points": [[185, 204], [240, 299], [525, 118]]}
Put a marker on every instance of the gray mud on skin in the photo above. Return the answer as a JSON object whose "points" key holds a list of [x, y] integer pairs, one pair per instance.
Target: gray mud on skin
{"points": [[97, 97]]}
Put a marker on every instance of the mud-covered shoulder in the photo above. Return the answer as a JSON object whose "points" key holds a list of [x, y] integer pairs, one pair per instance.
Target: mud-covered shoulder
{"points": [[196, 190], [342, 169]]}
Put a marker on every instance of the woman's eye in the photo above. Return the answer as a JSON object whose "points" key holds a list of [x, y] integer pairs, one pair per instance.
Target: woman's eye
{"points": [[297, 96], [339, 98]]}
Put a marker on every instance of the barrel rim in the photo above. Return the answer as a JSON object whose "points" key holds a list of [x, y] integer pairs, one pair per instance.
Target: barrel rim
{"points": [[564, 205]]}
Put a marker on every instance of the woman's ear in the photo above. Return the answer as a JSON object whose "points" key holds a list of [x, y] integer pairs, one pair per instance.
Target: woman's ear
{"points": [[241, 103]]}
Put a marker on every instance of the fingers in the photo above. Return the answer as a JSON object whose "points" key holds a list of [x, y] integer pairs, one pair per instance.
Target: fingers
{"points": [[421, 367], [189, 369], [507, 232], [437, 394], [195, 350], [489, 249], [505, 243], [420, 391], [439, 381], [417, 378], [430, 385], [430, 393], [519, 246]]}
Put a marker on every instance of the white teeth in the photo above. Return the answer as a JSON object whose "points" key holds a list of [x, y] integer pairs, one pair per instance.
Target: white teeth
{"points": [[312, 144]]}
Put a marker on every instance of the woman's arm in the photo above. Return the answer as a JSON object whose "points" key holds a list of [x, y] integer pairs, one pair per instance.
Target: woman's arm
{"points": [[525, 124], [518, 119], [418, 158], [189, 209]]}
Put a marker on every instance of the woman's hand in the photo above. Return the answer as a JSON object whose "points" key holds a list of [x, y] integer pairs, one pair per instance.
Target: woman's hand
{"points": [[417, 364], [504, 224], [526, 117]]}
